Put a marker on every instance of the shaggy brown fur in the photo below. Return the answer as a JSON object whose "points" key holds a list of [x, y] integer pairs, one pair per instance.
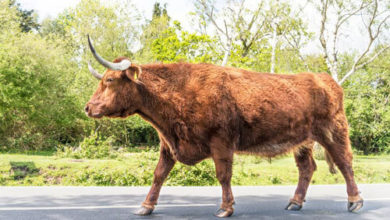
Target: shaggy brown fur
{"points": [[204, 110]]}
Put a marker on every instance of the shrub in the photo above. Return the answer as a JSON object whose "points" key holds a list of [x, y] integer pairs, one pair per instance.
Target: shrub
{"points": [[201, 174], [367, 107], [36, 106], [133, 131], [91, 147]]}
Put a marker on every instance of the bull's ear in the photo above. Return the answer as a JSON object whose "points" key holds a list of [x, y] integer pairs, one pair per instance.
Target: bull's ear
{"points": [[133, 72]]}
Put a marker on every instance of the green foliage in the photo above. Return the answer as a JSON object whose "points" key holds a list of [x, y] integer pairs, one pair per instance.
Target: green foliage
{"points": [[28, 19], [199, 175], [36, 107], [174, 45], [43, 87], [129, 132], [159, 11], [91, 147], [368, 107], [20, 170], [151, 31], [257, 60]]}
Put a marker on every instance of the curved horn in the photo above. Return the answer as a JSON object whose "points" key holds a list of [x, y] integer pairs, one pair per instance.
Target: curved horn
{"points": [[123, 65], [94, 72]]}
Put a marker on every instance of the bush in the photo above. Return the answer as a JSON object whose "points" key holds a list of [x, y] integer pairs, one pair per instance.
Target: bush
{"points": [[201, 174], [133, 131], [91, 147], [367, 106], [36, 107]]}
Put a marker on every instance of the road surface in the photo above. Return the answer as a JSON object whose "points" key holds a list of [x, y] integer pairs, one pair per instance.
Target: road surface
{"points": [[253, 202]]}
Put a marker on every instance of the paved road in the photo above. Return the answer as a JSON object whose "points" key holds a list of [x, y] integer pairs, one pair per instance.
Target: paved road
{"points": [[268, 202]]}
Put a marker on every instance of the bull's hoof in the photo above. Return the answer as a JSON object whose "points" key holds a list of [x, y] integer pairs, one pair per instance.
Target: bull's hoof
{"points": [[222, 213], [293, 206], [355, 206], [143, 211]]}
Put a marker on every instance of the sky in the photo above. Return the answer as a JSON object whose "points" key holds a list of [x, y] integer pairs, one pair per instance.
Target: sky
{"points": [[179, 10]]}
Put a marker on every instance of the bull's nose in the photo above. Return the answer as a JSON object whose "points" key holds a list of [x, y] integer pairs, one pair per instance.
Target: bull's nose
{"points": [[86, 109]]}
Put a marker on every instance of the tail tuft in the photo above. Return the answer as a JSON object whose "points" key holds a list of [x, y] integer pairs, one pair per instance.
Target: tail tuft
{"points": [[329, 160]]}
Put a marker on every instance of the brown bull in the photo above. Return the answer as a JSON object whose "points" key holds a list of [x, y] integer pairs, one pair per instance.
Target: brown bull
{"points": [[203, 110]]}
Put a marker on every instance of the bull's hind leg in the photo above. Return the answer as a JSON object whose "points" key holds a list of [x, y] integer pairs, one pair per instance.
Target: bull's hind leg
{"points": [[223, 160], [164, 166], [336, 141], [306, 166]]}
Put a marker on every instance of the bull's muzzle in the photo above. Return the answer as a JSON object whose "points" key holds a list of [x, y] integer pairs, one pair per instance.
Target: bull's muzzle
{"points": [[93, 111]]}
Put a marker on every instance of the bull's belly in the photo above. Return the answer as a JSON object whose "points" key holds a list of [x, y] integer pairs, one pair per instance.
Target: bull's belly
{"points": [[271, 149], [276, 139], [190, 153]]}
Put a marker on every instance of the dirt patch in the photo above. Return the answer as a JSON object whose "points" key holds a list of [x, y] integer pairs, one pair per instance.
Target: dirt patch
{"points": [[53, 180]]}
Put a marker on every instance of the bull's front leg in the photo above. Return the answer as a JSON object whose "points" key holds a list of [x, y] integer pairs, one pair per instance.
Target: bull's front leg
{"points": [[164, 166]]}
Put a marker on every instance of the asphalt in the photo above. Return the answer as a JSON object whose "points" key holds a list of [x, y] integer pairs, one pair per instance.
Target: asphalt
{"points": [[252, 202]]}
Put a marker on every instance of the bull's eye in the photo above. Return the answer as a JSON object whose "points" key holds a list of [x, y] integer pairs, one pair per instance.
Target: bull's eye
{"points": [[109, 80]]}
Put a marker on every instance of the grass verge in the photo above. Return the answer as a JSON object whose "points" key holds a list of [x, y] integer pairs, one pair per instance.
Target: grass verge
{"points": [[136, 169]]}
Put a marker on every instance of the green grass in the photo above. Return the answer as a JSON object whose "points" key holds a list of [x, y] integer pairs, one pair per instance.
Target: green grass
{"points": [[136, 169]]}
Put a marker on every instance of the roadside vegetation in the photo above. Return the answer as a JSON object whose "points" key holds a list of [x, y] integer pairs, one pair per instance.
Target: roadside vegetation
{"points": [[136, 169]]}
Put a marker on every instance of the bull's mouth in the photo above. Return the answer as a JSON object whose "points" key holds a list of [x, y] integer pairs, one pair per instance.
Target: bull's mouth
{"points": [[121, 114], [94, 115], [124, 113], [111, 115]]}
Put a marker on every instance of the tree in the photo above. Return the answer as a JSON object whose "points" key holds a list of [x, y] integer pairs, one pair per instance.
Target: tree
{"points": [[175, 44], [234, 24], [28, 19], [367, 104], [114, 29], [155, 28], [36, 108], [9, 18], [288, 29], [375, 16], [251, 29], [160, 11]]}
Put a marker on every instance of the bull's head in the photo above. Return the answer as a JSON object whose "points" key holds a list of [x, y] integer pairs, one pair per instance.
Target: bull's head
{"points": [[117, 94]]}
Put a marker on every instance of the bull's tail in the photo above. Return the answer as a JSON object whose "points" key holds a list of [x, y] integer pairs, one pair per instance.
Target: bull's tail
{"points": [[330, 162]]}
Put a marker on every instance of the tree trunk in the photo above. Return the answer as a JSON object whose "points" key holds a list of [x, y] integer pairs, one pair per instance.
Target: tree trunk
{"points": [[226, 57], [274, 42]]}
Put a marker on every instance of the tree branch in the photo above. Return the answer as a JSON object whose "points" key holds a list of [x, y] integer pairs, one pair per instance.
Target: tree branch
{"points": [[353, 69]]}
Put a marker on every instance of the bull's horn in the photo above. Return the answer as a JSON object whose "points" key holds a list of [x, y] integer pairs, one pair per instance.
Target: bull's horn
{"points": [[123, 65], [94, 72]]}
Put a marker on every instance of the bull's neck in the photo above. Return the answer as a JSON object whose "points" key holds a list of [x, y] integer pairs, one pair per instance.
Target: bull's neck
{"points": [[157, 110]]}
